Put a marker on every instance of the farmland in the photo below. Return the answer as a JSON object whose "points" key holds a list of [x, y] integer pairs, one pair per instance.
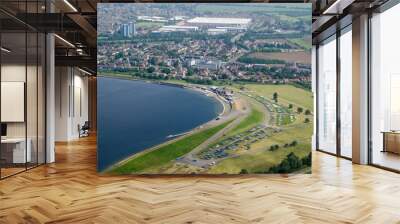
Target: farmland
{"points": [[297, 56]]}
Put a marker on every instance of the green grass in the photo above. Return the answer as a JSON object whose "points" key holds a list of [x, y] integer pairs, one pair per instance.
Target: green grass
{"points": [[149, 25], [258, 162], [254, 118], [259, 158], [286, 94], [165, 154], [301, 42]]}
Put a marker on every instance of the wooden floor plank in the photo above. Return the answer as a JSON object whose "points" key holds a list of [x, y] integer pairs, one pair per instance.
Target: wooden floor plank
{"points": [[71, 191]]}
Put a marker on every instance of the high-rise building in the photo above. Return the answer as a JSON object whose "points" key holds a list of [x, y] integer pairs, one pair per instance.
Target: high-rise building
{"points": [[132, 29], [128, 30], [125, 30]]}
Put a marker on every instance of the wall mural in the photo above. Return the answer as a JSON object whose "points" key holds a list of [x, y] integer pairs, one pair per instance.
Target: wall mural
{"points": [[195, 88]]}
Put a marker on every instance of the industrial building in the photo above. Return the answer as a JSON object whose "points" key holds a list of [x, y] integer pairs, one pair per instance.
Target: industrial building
{"points": [[204, 64], [178, 28], [216, 31], [214, 22]]}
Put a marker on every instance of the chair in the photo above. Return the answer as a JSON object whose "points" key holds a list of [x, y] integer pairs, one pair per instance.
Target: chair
{"points": [[84, 130]]}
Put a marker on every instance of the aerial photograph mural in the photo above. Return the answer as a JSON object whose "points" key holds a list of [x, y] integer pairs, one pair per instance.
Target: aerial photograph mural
{"points": [[196, 88]]}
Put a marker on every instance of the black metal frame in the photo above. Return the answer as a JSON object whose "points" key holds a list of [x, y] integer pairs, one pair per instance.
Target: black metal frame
{"points": [[338, 152], [369, 106], [338, 98]]}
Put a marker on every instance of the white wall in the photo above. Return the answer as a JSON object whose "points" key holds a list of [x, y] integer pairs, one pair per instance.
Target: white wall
{"points": [[71, 102], [17, 73], [33, 126]]}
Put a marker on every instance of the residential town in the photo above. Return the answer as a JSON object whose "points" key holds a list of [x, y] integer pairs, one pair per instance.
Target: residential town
{"points": [[206, 48]]}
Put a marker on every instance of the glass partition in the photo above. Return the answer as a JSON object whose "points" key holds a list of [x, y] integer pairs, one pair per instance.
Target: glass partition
{"points": [[22, 77], [385, 89], [15, 150], [327, 95]]}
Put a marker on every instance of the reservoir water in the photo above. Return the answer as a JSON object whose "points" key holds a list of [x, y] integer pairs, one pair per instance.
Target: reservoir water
{"points": [[136, 115]]}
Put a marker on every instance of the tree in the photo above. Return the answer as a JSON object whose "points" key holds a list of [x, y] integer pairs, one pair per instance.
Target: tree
{"points": [[273, 147], [289, 164], [293, 143], [294, 161], [166, 70], [153, 61], [151, 69], [307, 160], [307, 120], [290, 106], [308, 112], [189, 72], [299, 110], [243, 171], [275, 97], [119, 55]]}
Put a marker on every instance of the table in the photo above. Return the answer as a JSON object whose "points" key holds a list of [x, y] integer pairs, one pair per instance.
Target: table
{"points": [[13, 150], [391, 141]]}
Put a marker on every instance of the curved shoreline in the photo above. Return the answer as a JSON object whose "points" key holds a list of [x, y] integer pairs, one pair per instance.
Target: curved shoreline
{"points": [[177, 85], [177, 136]]}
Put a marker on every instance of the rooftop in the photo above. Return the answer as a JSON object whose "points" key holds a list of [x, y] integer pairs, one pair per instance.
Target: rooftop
{"points": [[181, 27]]}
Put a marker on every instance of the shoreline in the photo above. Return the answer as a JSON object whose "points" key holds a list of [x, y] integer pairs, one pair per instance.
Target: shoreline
{"points": [[176, 136], [177, 85]]}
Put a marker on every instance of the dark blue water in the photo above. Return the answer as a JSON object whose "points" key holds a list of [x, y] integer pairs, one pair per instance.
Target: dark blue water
{"points": [[135, 115]]}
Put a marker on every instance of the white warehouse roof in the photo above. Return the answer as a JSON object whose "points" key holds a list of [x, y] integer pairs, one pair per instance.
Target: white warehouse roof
{"points": [[181, 27], [215, 20]]}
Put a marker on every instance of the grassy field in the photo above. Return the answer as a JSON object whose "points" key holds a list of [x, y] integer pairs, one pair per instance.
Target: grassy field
{"points": [[148, 25], [258, 161], [286, 94], [259, 158], [255, 117], [300, 56], [166, 153], [301, 42]]}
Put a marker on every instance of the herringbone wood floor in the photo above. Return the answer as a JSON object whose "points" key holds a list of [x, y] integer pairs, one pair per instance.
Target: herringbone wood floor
{"points": [[70, 191]]}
